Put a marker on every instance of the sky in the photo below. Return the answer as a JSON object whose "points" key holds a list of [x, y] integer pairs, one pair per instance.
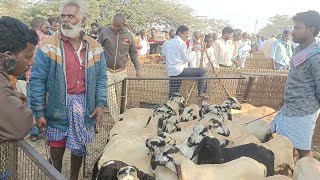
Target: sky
{"points": [[244, 13]]}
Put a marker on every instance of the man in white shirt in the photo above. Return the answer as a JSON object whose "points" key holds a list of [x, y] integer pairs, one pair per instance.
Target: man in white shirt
{"points": [[244, 49], [208, 55], [267, 47], [177, 59], [143, 44], [223, 48]]}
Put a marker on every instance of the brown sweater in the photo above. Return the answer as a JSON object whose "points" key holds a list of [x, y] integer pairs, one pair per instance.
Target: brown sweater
{"points": [[15, 117]]}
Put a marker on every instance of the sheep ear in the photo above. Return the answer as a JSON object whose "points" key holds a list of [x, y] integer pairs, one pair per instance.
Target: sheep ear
{"points": [[148, 121], [199, 147], [200, 113]]}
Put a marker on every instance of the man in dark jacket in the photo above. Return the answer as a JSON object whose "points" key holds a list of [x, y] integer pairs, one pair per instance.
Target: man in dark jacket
{"points": [[118, 42], [17, 43]]}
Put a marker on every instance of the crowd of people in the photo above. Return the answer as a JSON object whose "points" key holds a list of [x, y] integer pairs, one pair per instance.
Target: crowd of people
{"points": [[68, 71]]}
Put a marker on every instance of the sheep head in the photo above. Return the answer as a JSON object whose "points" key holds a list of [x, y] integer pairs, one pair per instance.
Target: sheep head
{"points": [[165, 158], [233, 103], [172, 125], [167, 138], [209, 151], [127, 173], [188, 115], [154, 145], [218, 127], [197, 135], [180, 100]]}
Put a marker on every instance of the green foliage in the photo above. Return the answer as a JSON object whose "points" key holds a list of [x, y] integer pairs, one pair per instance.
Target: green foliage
{"points": [[277, 24], [162, 14]]}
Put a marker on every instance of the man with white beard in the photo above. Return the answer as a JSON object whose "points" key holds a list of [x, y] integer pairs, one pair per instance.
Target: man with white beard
{"points": [[70, 68]]}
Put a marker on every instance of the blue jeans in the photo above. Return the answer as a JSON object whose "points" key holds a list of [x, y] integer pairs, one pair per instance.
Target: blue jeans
{"points": [[174, 84], [34, 131]]}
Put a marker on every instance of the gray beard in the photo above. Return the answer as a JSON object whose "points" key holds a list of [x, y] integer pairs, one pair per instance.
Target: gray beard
{"points": [[74, 32]]}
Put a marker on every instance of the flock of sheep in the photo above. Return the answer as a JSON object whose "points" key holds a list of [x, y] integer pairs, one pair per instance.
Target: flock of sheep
{"points": [[225, 141]]}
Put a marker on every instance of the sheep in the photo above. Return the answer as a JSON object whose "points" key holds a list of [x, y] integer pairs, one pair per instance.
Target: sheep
{"points": [[174, 106], [255, 114], [127, 173], [184, 168], [307, 168], [245, 139], [133, 121], [224, 108], [172, 125], [128, 149], [211, 151], [111, 170], [190, 113], [245, 107], [155, 144], [282, 148], [188, 147], [277, 177], [161, 113]]}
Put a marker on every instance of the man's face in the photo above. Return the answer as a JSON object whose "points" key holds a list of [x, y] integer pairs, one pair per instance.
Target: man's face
{"points": [[153, 32], [70, 15], [184, 36], [55, 26], [167, 36], [118, 26], [286, 37], [71, 22], [24, 60], [44, 28], [228, 36], [94, 29], [209, 43], [237, 37], [300, 32], [197, 37]]}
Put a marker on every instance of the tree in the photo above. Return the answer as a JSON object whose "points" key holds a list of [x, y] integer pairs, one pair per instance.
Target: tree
{"points": [[277, 24], [162, 14]]}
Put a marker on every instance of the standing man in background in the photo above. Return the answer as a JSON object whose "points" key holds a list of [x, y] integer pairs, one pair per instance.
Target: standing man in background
{"points": [[282, 51], [223, 48], [54, 25], [118, 42]]}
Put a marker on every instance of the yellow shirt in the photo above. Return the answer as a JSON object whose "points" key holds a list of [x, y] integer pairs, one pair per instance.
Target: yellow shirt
{"points": [[223, 51]]}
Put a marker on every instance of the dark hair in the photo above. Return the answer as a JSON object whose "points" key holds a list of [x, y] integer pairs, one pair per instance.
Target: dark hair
{"points": [[182, 29], [37, 22], [309, 19], [142, 31], [207, 37], [95, 24], [171, 33], [119, 17], [165, 31], [53, 19], [227, 30], [14, 35], [286, 32], [153, 29]]}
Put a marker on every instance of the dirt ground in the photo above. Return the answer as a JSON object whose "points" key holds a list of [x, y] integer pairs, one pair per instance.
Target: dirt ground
{"points": [[41, 148]]}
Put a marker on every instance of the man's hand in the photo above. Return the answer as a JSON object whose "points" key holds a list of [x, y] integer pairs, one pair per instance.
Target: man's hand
{"points": [[138, 74], [41, 124], [98, 115]]}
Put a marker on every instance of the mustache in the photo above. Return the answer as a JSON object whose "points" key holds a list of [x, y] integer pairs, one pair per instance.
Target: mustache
{"points": [[67, 26]]}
